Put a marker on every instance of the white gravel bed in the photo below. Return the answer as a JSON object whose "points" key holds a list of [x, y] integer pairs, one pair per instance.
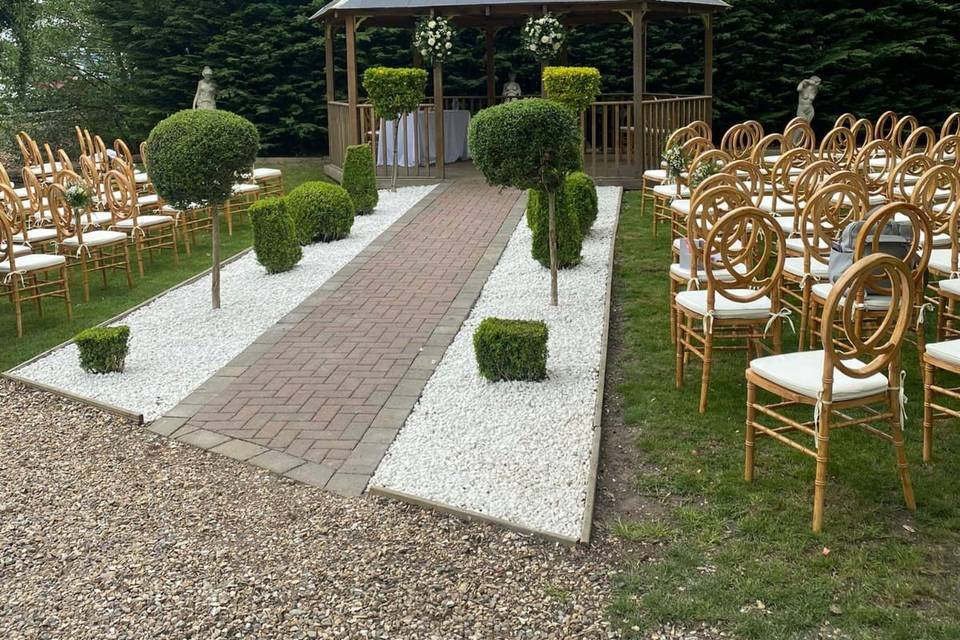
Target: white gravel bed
{"points": [[177, 342], [518, 451]]}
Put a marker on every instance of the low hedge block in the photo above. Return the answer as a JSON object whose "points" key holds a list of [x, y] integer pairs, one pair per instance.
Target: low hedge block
{"points": [[580, 197], [511, 349], [321, 212], [360, 178], [569, 236], [103, 349], [275, 240]]}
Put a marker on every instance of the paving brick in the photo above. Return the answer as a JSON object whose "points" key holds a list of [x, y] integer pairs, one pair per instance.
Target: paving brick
{"points": [[238, 449], [203, 438], [312, 473], [348, 484], [276, 461], [166, 426]]}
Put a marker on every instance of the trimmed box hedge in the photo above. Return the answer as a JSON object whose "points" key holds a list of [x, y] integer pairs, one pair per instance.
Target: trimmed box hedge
{"points": [[360, 178], [103, 349], [511, 349], [573, 87], [569, 236], [580, 196], [275, 240], [321, 212]]}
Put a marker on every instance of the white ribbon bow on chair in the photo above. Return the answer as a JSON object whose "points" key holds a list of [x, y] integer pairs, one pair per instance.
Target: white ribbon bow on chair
{"points": [[708, 322], [926, 306], [7, 279], [783, 313]]}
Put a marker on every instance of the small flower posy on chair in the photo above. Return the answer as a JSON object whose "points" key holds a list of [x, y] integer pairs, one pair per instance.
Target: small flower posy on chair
{"points": [[78, 197], [677, 162]]}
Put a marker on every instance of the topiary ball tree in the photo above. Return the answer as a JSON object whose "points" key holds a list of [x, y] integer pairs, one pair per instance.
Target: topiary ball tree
{"points": [[528, 144], [360, 178], [574, 87], [395, 92], [195, 157]]}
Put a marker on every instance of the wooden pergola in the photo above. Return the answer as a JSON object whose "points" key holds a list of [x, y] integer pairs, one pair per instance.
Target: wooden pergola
{"points": [[613, 152]]}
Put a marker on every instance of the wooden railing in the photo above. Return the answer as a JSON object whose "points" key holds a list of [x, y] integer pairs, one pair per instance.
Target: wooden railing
{"points": [[609, 129]]}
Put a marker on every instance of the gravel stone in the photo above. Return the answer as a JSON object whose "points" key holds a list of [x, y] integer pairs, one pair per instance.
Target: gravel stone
{"points": [[177, 342], [518, 451]]}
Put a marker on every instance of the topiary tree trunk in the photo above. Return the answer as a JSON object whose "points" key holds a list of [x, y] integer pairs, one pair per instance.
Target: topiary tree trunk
{"points": [[396, 139], [552, 235], [215, 255]]}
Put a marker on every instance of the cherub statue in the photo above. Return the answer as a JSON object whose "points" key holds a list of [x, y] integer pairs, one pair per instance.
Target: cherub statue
{"points": [[808, 92], [206, 96], [511, 90]]}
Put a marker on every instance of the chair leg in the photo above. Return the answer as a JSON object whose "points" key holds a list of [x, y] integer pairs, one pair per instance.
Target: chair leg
{"points": [[679, 348], [806, 321], [705, 375], [673, 311], [901, 451], [186, 233], [86, 277], [820, 482], [750, 437], [941, 308], [176, 248], [15, 296], [36, 293], [126, 265], [928, 381], [66, 292], [138, 247]]}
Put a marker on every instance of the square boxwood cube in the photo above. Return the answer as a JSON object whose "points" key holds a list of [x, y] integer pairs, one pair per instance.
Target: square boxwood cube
{"points": [[511, 349], [103, 349]]}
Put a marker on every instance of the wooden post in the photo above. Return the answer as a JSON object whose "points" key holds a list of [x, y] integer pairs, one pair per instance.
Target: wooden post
{"points": [[417, 58], [488, 34], [353, 117], [639, 82], [328, 61], [438, 114], [708, 64]]}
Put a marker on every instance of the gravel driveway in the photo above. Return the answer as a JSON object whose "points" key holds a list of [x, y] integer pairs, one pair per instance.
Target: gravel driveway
{"points": [[107, 531]]}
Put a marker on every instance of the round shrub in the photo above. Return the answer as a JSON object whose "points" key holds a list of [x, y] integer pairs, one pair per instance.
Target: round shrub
{"points": [[197, 155], [360, 178], [527, 144], [569, 237], [274, 235], [321, 212], [103, 349], [580, 197]]}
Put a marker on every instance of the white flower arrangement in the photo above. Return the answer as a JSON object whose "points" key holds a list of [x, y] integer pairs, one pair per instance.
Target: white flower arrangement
{"points": [[78, 197], [543, 36], [433, 38]]}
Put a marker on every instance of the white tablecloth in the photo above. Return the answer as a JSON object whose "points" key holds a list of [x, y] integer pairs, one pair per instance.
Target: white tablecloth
{"points": [[455, 125]]}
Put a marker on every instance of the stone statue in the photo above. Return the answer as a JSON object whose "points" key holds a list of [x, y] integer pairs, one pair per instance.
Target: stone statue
{"points": [[511, 90], [808, 92], [206, 96]]}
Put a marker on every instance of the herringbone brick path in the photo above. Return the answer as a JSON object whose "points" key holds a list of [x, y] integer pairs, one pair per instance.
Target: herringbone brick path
{"points": [[321, 396]]}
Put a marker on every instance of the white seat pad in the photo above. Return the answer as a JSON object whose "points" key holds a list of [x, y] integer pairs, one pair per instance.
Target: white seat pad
{"points": [[97, 238], [650, 174], [948, 350], [871, 303], [670, 191], [37, 234], [263, 173], [782, 206], [796, 244], [696, 301], [96, 218], [681, 206], [939, 240], [141, 178], [144, 221], [21, 192], [794, 266], [802, 373], [722, 275], [148, 200], [18, 250], [245, 188], [940, 260], [950, 285], [33, 262]]}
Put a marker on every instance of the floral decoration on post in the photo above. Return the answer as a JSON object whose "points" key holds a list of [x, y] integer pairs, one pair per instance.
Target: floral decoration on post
{"points": [[433, 38], [542, 37], [677, 162]]}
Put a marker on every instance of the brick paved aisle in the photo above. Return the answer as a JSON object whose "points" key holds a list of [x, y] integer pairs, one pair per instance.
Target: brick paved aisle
{"points": [[320, 396]]}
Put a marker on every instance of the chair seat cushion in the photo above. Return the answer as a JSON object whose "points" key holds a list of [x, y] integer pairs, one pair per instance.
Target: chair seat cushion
{"points": [[33, 262], [696, 301], [722, 275], [18, 250], [796, 244], [144, 221], [802, 373], [92, 218], [794, 266], [948, 350], [37, 234], [141, 178], [940, 240], [148, 200], [22, 192], [670, 191], [245, 188], [950, 285], [681, 206], [781, 206], [264, 173], [940, 260], [871, 303], [97, 238]]}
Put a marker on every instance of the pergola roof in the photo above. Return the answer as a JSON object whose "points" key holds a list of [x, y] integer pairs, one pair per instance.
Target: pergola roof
{"points": [[382, 6]]}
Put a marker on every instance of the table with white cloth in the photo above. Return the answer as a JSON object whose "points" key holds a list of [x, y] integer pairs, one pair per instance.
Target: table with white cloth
{"points": [[455, 125]]}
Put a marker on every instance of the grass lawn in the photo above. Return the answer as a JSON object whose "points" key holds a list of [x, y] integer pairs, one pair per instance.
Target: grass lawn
{"points": [[43, 333], [742, 556]]}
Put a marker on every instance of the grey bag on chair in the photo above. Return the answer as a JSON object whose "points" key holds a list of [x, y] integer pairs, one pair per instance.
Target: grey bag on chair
{"points": [[896, 238]]}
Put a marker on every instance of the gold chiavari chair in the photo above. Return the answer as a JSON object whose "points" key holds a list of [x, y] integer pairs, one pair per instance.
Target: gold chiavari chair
{"points": [[904, 128], [740, 139], [951, 126], [921, 140], [839, 146], [149, 232], [875, 163], [24, 227], [845, 121], [799, 135], [938, 193], [904, 177], [653, 177], [782, 178], [846, 376], [702, 129], [767, 151], [811, 178], [885, 126], [743, 305], [665, 193], [946, 151], [26, 277], [862, 131], [680, 207], [93, 250]]}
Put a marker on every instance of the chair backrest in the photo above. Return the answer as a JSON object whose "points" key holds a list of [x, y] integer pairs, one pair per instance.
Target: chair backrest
{"points": [[4, 176], [937, 194], [772, 144], [840, 146], [811, 178], [750, 178], [123, 151], [7, 246], [787, 169], [36, 191], [951, 126], [875, 347], [121, 195], [862, 131], [870, 238], [748, 247], [64, 159], [24, 142], [678, 137], [67, 222], [905, 175], [903, 130], [81, 142], [921, 140], [707, 207], [708, 157], [695, 146], [885, 126], [90, 170], [702, 128], [874, 163], [947, 151], [12, 209], [799, 135], [826, 212], [846, 120], [740, 139]]}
